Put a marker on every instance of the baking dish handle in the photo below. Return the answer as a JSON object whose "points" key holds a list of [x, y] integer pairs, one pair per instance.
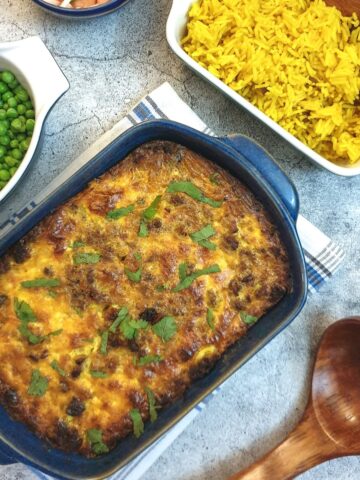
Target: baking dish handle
{"points": [[268, 168]]}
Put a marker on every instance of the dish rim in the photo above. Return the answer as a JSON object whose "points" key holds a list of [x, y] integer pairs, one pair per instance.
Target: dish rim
{"points": [[82, 13], [161, 130], [175, 24]]}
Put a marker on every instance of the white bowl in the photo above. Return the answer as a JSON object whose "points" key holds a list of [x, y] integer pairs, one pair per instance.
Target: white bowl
{"points": [[37, 71], [175, 31]]}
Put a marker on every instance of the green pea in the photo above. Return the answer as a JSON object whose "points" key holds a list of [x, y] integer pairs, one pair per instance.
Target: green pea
{"points": [[13, 84], [5, 106], [4, 175], [5, 96], [5, 123], [3, 88], [17, 125], [14, 143], [24, 145], [28, 104], [2, 151], [21, 109], [7, 77], [11, 113], [21, 136], [30, 114], [12, 102], [3, 114], [4, 140], [2, 185], [10, 161], [30, 123], [22, 95], [17, 154], [11, 134], [3, 130], [13, 170]]}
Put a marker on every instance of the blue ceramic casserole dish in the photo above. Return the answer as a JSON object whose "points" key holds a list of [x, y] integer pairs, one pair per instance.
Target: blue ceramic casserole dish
{"points": [[81, 13], [253, 166]]}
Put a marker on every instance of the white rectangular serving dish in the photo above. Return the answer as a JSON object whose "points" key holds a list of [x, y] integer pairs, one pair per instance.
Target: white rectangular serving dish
{"points": [[175, 31]]}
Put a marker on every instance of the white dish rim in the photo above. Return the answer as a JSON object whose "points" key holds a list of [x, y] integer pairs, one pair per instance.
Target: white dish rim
{"points": [[175, 27]]}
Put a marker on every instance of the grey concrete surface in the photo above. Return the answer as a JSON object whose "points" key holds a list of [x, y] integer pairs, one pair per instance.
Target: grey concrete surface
{"points": [[110, 63]]}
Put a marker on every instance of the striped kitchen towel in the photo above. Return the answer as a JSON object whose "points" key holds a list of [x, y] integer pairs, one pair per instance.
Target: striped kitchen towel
{"points": [[323, 257]]}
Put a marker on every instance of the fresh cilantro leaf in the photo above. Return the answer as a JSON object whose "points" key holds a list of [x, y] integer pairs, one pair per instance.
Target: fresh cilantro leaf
{"points": [[143, 230], [27, 333], [122, 313], [150, 212], [202, 236], [97, 374], [104, 341], [55, 366], [24, 312], [146, 359], [138, 424], [135, 276], [248, 319], [129, 327], [94, 437], [120, 212], [52, 293], [55, 333], [41, 282], [162, 288], [38, 384], [193, 191], [214, 178], [182, 270], [165, 328], [210, 318], [187, 281], [151, 401], [90, 258], [78, 244]]}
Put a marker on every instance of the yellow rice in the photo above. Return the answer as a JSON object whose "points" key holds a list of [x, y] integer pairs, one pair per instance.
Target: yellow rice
{"points": [[296, 60]]}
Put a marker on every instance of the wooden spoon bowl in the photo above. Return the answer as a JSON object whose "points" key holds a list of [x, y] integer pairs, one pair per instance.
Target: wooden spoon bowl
{"points": [[330, 426]]}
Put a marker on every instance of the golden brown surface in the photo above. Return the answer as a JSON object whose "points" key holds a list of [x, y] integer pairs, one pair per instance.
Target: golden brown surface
{"points": [[253, 277]]}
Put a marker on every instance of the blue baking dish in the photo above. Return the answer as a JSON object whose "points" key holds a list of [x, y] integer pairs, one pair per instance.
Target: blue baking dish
{"points": [[253, 166]]}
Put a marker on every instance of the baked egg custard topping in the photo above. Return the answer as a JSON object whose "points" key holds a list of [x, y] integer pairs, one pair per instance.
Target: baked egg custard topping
{"points": [[123, 296]]}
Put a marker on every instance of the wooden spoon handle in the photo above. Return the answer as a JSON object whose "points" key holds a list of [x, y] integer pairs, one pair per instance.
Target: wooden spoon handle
{"points": [[306, 446]]}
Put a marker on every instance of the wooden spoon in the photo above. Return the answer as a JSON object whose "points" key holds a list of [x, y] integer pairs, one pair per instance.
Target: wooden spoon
{"points": [[346, 7], [330, 427]]}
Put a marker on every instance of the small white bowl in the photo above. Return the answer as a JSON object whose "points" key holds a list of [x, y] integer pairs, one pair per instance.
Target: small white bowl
{"points": [[175, 31], [36, 70]]}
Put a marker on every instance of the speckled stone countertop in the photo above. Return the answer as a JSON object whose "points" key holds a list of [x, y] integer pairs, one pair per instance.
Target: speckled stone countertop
{"points": [[110, 63]]}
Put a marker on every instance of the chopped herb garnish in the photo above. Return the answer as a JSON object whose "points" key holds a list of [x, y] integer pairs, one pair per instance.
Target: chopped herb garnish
{"points": [[182, 271], [55, 333], [55, 366], [202, 236], [143, 230], [214, 178], [97, 374], [89, 258], [94, 437], [120, 212], [151, 401], [129, 327], [135, 276], [122, 313], [162, 288], [41, 282], [193, 191], [187, 281], [210, 318], [104, 341], [165, 328], [24, 312], [78, 244], [52, 293], [138, 424], [27, 333], [146, 359], [147, 215], [248, 319], [38, 384]]}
